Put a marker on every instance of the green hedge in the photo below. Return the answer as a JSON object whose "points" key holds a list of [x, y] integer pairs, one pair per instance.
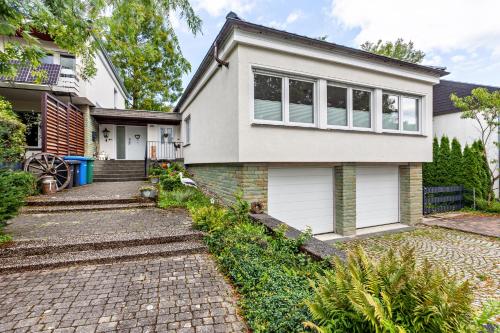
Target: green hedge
{"points": [[12, 134], [16, 186]]}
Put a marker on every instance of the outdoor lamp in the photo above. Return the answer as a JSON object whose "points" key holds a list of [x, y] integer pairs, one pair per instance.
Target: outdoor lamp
{"points": [[105, 133], [137, 136]]}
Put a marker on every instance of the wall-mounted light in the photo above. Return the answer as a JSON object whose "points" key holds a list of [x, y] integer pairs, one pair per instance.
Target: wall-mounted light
{"points": [[137, 136], [105, 134]]}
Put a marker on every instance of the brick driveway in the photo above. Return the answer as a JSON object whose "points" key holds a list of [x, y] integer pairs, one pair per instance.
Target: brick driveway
{"points": [[486, 225], [175, 294], [466, 255]]}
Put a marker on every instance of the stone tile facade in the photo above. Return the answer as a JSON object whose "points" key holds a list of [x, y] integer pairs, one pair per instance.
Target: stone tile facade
{"points": [[224, 180], [345, 199], [90, 125], [410, 193]]}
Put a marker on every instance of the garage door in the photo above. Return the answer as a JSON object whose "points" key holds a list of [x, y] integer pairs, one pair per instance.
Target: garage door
{"points": [[302, 197], [377, 196]]}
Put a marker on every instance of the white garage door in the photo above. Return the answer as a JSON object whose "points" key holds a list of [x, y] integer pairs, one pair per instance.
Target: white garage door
{"points": [[377, 195], [302, 197]]}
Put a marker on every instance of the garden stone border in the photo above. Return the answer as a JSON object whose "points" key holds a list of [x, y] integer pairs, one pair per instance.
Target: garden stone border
{"points": [[317, 249]]}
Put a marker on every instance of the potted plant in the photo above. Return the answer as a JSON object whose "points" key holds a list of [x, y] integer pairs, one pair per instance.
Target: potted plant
{"points": [[154, 179], [148, 192]]}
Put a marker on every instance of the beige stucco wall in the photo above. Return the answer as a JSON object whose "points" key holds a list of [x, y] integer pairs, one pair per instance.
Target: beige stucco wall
{"points": [[214, 119], [258, 143]]}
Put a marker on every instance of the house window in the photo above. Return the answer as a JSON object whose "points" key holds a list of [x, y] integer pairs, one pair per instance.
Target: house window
{"points": [[268, 97], [187, 122], [361, 108], [32, 120], [47, 59], [336, 100], [301, 101], [390, 112], [68, 62], [410, 112]]}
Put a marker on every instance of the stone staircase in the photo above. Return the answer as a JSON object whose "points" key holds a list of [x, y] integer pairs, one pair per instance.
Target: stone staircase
{"points": [[118, 171]]}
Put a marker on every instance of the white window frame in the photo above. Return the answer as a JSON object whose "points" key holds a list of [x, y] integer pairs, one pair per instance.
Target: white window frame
{"points": [[350, 109], [187, 126], [400, 114], [348, 105], [285, 103]]}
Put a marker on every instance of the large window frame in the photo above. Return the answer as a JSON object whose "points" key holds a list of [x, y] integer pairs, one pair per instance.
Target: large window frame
{"points": [[39, 128], [285, 100], [187, 135], [350, 109], [400, 113]]}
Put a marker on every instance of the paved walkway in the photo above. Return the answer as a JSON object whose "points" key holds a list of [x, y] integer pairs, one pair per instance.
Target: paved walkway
{"points": [[155, 275], [466, 255], [486, 225]]}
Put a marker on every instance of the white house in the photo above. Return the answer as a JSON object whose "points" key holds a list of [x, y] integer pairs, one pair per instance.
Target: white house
{"points": [[321, 134], [448, 121]]}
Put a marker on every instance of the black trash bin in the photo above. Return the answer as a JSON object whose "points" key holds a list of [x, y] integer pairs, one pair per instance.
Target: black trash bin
{"points": [[74, 168]]}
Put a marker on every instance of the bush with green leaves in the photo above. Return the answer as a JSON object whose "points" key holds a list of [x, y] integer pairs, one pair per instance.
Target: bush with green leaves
{"points": [[16, 186], [182, 197], [394, 294], [170, 181], [492, 207], [12, 134]]}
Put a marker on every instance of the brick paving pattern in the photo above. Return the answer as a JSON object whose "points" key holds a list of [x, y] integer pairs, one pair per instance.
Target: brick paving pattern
{"points": [[176, 294], [465, 255], [486, 225]]}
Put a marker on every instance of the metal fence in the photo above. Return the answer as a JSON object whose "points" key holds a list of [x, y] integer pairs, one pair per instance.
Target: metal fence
{"points": [[443, 199], [157, 150]]}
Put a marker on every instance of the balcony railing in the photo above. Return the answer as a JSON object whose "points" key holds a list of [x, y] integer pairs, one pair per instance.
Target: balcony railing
{"points": [[164, 151]]}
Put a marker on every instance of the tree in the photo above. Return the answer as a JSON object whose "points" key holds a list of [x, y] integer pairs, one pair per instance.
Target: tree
{"points": [[430, 169], [483, 107], [12, 138], [443, 163], [143, 45], [398, 50], [455, 172], [71, 23]]}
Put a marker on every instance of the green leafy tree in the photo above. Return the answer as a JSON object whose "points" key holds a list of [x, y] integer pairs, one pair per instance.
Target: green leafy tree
{"points": [[483, 107], [398, 50], [455, 171], [71, 23], [430, 169], [12, 138], [143, 45], [482, 169], [443, 163]]}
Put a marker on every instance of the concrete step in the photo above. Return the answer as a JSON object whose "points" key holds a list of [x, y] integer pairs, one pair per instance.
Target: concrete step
{"points": [[119, 175], [84, 201], [51, 260], [25, 248], [79, 208], [117, 179]]}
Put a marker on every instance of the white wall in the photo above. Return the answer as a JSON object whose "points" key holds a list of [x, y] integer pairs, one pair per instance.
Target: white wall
{"points": [[259, 143], [466, 131], [108, 147], [214, 119]]}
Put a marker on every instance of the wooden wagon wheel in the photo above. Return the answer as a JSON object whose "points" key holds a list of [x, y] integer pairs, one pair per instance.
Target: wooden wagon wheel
{"points": [[47, 164]]}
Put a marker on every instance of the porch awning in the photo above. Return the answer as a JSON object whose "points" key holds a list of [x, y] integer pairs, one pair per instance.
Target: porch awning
{"points": [[134, 117]]}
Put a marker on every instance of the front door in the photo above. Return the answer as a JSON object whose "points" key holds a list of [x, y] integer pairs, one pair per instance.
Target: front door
{"points": [[166, 149], [136, 142]]}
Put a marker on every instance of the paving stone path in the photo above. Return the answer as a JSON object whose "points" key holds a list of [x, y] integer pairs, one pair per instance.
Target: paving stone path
{"points": [[175, 294], [465, 255], [486, 225]]}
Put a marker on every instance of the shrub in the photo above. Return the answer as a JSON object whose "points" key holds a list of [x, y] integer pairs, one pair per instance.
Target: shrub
{"points": [[16, 186], [156, 171], [182, 197], [492, 207], [12, 138], [170, 181], [209, 218], [392, 295]]}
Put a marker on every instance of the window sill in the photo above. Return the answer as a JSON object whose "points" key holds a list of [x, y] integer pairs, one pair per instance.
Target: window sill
{"points": [[349, 130]]}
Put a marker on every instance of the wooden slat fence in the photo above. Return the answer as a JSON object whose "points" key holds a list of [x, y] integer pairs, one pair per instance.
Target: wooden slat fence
{"points": [[443, 199], [62, 127]]}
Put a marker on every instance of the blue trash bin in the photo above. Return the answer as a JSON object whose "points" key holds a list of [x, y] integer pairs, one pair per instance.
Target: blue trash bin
{"points": [[83, 167]]}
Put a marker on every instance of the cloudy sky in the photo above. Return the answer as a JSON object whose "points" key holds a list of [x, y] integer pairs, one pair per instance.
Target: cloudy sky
{"points": [[462, 35]]}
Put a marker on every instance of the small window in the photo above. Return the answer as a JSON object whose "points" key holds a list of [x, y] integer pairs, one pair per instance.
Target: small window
{"points": [[301, 99], [47, 59], [361, 108], [68, 62], [32, 120], [187, 122], [390, 112], [170, 135], [409, 110], [336, 106], [268, 98]]}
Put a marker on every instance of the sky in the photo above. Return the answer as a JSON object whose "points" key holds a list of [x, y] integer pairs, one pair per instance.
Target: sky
{"points": [[462, 35]]}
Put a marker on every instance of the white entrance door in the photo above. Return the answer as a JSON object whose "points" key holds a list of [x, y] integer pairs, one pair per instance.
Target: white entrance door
{"points": [[166, 148], [377, 195], [136, 137], [302, 197]]}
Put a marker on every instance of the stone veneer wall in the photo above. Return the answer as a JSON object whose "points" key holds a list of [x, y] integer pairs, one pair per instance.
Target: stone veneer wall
{"points": [[345, 199], [410, 192], [224, 180], [90, 125]]}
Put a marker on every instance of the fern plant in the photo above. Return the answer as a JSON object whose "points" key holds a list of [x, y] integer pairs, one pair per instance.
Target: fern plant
{"points": [[390, 295]]}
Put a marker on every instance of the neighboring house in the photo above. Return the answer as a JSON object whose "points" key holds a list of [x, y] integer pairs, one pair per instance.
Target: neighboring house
{"points": [[448, 121], [323, 135], [70, 116]]}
